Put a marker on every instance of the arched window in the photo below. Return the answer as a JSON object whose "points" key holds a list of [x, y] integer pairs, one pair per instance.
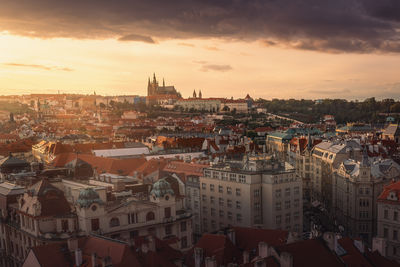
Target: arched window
{"points": [[114, 222], [150, 216]]}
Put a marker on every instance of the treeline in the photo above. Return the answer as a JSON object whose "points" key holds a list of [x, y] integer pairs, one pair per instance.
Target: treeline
{"points": [[310, 111]]}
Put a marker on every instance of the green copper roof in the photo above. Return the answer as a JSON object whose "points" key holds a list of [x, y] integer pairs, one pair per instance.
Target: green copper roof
{"points": [[87, 197], [161, 188]]}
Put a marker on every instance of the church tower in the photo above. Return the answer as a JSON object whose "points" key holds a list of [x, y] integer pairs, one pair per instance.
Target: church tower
{"points": [[194, 94], [152, 87], [200, 94]]}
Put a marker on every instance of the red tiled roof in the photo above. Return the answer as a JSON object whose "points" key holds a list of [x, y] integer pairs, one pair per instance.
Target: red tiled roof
{"points": [[248, 238], [310, 253], [216, 245], [392, 187], [102, 165]]}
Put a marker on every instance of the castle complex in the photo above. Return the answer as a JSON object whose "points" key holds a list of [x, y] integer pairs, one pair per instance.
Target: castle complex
{"points": [[154, 89]]}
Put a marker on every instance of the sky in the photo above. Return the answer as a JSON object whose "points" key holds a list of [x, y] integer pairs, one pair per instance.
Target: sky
{"points": [[308, 49]]}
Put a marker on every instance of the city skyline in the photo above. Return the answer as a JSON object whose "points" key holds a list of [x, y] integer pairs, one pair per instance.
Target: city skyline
{"points": [[313, 50]]}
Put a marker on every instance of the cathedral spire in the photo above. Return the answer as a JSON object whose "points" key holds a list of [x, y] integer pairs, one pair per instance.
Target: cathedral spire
{"points": [[163, 82], [200, 94], [194, 93], [154, 78]]}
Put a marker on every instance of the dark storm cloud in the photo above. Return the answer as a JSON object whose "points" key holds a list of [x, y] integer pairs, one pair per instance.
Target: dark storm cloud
{"points": [[37, 66], [137, 38], [361, 26]]}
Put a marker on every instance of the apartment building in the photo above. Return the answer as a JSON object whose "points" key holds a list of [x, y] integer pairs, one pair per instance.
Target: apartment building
{"points": [[256, 192], [326, 157], [356, 187], [388, 222]]}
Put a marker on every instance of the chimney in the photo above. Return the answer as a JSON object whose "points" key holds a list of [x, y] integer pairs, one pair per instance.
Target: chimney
{"points": [[246, 257], [232, 236], [263, 250], [94, 258], [198, 256], [331, 240], [78, 257], [72, 244], [211, 262], [286, 259], [107, 262], [379, 244]]}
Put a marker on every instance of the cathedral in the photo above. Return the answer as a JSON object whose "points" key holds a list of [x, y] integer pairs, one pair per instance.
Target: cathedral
{"points": [[154, 89]]}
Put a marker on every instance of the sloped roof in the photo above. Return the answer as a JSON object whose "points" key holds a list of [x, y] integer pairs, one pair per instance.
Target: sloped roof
{"points": [[310, 253], [215, 245]]}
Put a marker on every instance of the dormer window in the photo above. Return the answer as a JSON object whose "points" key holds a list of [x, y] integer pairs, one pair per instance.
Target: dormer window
{"points": [[392, 196]]}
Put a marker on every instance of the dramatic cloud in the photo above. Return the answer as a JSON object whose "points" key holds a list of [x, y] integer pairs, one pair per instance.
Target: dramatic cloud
{"points": [[214, 67], [37, 66], [137, 38], [359, 26]]}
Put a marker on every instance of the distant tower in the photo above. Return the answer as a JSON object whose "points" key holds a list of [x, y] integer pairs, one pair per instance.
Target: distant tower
{"points": [[194, 94], [152, 87], [163, 83], [12, 117], [200, 94]]}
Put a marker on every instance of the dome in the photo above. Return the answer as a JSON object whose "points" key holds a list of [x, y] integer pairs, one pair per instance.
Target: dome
{"points": [[161, 188], [87, 197]]}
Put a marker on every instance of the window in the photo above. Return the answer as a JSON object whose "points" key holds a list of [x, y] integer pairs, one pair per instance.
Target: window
{"points": [[242, 178], [278, 193], [132, 218], [257, 206], [212, 200], [168, 229], [238, 205], [296, 190], [287, 204], [150, 216], [211, 187], [296, 202], [203, 186], [212, 212], [196, 204], [385, 233], [386, 214], [287, 218], [296, 215], [184, 242], [257, 193], [239, 217], [238, 191], [204, 198], [204, 210], [114, 222], [183, 226], [287, 192], [221, 201], [394, 234], [395, 215], [133, 234], [229, 215], [167, 212], [229, 203], [278, 219], [229, 190], [64, 225], [278, 205], [221, 213], [232, 177], [220, 189]]}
